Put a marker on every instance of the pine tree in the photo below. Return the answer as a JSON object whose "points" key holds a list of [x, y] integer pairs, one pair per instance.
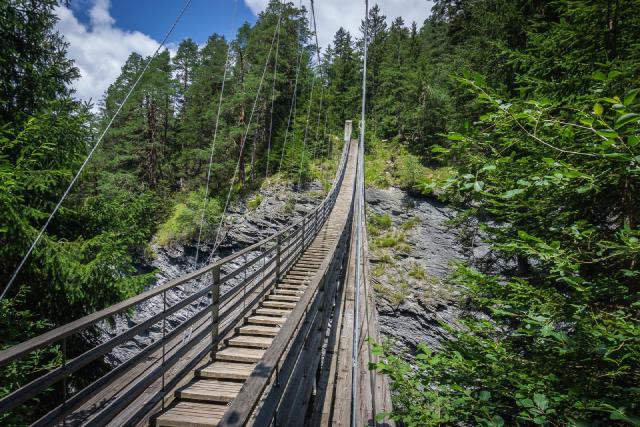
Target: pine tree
{"points": [[185, 63]]}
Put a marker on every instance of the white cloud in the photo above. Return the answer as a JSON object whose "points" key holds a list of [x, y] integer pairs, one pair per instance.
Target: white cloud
{"points": [[99, 49], [333, 14]]}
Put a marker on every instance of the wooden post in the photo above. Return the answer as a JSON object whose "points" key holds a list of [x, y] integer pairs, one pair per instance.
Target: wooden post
{"points": [[304, 223], [215, 310], [278, 254], [348, 126]]}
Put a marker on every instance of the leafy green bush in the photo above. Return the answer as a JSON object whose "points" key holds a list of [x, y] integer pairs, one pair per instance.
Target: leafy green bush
{"points": [[394, 292], [378, 223], [254, 202], [417, 272], [559, 342], [184, 223], [410, 223]]}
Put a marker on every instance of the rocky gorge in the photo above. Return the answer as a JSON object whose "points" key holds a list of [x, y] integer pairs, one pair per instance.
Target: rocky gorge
{"points": [[411, 254], [412, 250], [246, 222]]}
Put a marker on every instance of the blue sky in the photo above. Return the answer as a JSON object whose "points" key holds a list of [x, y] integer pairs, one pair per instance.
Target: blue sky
{"points": [[103, 33], [154, 17]]}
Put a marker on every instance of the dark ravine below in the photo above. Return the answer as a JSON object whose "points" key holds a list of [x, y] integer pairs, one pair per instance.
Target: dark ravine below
{"points": [[410, 309], [280, 206]]}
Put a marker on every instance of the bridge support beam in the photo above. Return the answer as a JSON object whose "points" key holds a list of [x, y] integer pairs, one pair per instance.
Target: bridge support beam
{"points": [[215, 310]]}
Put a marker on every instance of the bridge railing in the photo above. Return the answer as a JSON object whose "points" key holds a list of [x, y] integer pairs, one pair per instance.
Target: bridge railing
{"points": [[246, 276], [274, 392]]}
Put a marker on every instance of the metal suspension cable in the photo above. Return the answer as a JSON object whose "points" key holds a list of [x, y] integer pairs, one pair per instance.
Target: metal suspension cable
{"points": [[93, 149], [213, 144], [315, 142], [294, 101], [273, 98], [217, 240], [313, 82], [273, 89], [359, 221], [324, 153]]}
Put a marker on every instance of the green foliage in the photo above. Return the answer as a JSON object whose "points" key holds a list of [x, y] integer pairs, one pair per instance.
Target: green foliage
{"points": [[392, 164], [391, 240], [254, 202], [542, 135], [396, 291], [410, 224], [184, 223], [15, 324], [377, 223], [418, 272]]}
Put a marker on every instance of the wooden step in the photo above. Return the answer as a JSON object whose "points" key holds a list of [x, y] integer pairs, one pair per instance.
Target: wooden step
{"points": [[288, 298], [273, 312], [287, 292], [311, 258], [303, 270], [262, 330], [191, 414], [314, 265], [210, 390], [226, 370], [278, 304], [266, 320], [294, 286], [317, 253], [239, 354], [250, 341], [300, 275], [295, 281]]}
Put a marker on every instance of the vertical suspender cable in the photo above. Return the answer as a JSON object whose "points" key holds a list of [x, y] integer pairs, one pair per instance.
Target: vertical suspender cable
{"points": [[213, 143], [273, 98], [292, 109], [93, 149], [218, 240], [313, 82], [359, 224]]}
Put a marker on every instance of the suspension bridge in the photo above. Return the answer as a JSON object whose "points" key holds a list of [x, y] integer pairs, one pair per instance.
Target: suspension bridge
{"points": [[279, 337]]}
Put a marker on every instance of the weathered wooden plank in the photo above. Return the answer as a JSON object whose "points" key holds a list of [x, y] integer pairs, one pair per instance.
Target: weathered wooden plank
{"points": [[278, 304], [266, 330], [266, 320], [250, 341], [188, 414], [210, 390], [226, 370], [273, 312], [239, 354]]}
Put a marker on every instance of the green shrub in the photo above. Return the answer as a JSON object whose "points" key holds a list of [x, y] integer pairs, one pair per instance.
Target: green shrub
{"points": [[417, 272], [378, 223], [185, 220], [395, 293], [410, 223], [255, 202], [392, 240], [289, 206]]}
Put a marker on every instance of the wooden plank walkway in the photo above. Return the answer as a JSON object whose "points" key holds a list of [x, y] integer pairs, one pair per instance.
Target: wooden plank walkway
{"points": [[203, 401]]}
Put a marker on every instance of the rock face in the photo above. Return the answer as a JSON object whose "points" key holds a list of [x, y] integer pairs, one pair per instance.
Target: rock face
{"points": [[279, 207], [411, 296]]}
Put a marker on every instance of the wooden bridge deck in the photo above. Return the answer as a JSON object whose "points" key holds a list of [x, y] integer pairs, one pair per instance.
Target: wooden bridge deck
{"points": [[205, 399]]}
